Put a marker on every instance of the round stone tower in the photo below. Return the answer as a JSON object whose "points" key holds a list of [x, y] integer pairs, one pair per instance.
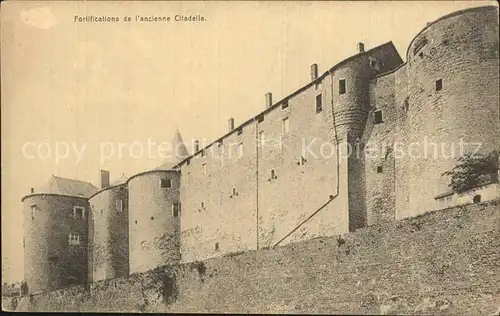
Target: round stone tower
{"points": [[109, 231], [56, 234], [154, 213], [349, 81], [453, 102]]}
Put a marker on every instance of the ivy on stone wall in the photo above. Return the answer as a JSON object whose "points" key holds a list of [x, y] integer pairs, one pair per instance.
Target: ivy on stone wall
{"points": [[166, 277]]}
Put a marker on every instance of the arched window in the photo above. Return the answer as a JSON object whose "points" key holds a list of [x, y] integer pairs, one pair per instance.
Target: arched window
{"points": [[477, 198]]}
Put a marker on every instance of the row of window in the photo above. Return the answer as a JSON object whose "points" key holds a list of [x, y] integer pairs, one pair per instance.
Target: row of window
{"points": [[300, 162], [285, 124], [319, 108], [319, 100], [261, 138], [285, 128], [272, 176], [378, 115], [319, 97], [78, 212], [120, 205]]}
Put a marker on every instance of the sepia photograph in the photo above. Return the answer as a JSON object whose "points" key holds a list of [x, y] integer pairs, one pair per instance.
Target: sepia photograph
{"points": [[250, 157]]}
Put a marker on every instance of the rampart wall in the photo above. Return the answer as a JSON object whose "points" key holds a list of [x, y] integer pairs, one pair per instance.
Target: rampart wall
{"points": [[441, 263]]}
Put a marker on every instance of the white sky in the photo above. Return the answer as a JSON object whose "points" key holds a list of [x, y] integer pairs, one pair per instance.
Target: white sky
{"points": [[89, 83]]}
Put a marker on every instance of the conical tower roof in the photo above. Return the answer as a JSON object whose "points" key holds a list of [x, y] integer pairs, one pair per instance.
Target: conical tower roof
{"points": [[65, 186], [123, 179], [179, 153], [180, 150]]}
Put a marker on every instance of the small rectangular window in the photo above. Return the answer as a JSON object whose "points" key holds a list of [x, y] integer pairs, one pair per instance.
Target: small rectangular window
{"points": [[203, 152], [261, 138], [240, 131], [216, 246], [379, 169], [377, 117], [33, 211], [240, 150], [176, 209], [73, 239], [273, 174], [120, 205], [234, 192], [284, 105], [260, 118], [204, 168], [220, 143], [285, 125], [165, 183], [78, 212], [439, 84], [342, 86], [319, 103], [188, 162], [202, 205]]}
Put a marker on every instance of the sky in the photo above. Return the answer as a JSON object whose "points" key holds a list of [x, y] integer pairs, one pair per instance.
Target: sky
{"points": [[88, 87]]}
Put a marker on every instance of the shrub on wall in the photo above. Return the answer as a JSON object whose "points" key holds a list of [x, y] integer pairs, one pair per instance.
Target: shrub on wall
{"points": [[473, 170]]}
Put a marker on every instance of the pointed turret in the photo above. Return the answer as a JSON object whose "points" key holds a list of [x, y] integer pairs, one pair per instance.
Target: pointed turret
{"points": [[179, 149], [179, 152]]}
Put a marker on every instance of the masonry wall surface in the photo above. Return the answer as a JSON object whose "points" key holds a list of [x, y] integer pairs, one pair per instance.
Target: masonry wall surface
{"points": [[486, 192], [441, 263], [307, 198], [350, 111], [378, 140], [108, 247], [234, 203], [263, 210], [153, 229], [50, 262], [402, 170], [215, 221], [462, 51]]}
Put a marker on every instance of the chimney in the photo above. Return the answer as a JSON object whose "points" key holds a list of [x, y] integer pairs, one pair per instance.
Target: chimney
{"points": [[32, 190], [231, 124], [361, 47], [104, 179], [314, 72], [196, 146], [269, 99]]}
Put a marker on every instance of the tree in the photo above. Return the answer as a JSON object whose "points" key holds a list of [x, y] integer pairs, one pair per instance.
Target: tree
{"points": [[473, 170]]}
